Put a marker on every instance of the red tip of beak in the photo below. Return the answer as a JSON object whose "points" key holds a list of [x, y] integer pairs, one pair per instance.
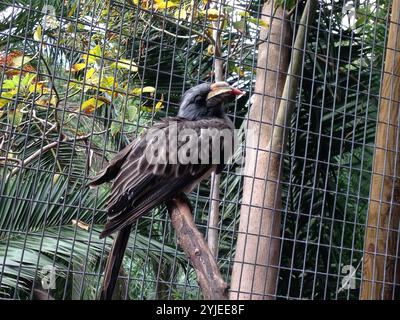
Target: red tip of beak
{"points": [[237, 92]]}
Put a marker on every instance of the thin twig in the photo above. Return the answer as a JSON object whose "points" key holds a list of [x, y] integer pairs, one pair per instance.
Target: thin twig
{"points": [[51, 146], [164, 18], [213, 219], [5, 159], [167, 32]]}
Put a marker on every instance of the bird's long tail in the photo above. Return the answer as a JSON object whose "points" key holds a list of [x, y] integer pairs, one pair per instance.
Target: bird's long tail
{"points": [[114, 262]]}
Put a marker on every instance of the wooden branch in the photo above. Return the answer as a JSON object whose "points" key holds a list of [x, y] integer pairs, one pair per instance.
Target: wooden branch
{"points": [[193, 244], [382, 234]]}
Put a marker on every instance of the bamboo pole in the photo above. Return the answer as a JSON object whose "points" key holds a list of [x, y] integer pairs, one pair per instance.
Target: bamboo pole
{"points": [[382, 234], [266, 220], [254, 272]]}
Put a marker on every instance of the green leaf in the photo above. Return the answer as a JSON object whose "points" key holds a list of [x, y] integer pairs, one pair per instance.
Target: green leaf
{"points": [[132, 113], [240, 25], [258, 22], [27, 80], [8, 84], [15, 117], [115, 128], [361, 21]]}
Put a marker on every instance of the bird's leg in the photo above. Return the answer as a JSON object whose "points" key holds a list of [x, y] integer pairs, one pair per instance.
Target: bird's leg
{"points": [[181, 196]]}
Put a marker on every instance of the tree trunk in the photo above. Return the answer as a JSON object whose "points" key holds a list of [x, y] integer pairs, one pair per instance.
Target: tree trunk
{"points": [[254, 274], [382, 234]]}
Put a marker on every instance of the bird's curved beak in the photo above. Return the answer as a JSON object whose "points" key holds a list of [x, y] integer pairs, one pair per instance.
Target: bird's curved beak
{"points": [[219, 88]]}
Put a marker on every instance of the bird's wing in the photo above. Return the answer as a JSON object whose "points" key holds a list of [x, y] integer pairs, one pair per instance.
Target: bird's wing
{"points": [[142, 184], [112, 169]]}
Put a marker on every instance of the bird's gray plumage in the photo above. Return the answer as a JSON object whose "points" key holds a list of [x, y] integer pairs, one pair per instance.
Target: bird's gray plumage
{"points": [[139, 185]]}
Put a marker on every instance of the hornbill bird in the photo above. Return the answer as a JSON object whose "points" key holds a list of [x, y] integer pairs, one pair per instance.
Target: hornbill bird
{"points": [[141, 184]]}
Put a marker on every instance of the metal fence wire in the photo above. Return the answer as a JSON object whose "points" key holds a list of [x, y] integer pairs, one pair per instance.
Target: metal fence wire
{"points": [[310, 208]]}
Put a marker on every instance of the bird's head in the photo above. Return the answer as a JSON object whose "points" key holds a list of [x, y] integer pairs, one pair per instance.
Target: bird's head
{"points": [[206, 100]]}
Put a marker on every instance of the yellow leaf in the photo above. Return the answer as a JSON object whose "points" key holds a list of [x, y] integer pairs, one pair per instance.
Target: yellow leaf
{"points": [[90, 105], [96, 51], [147, 109], [147, 89], [180, 14], [42, 103], [159, 104], [20, 61], [264, 24], [73, 9], [125, 64], [56, 177], [136, 91], [212, 14], [81, 224], [108, 82], [163, 4], [37, 36], [158, 107], [7, 97], [89, 58], [244, 14], [78, 66], [54, 100], [90, 73], [38, 87], [27, 80], [210, 50], [92, 56]]}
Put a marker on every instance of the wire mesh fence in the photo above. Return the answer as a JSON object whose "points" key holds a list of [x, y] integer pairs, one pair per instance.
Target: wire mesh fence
{"points": [[81, 79]]}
